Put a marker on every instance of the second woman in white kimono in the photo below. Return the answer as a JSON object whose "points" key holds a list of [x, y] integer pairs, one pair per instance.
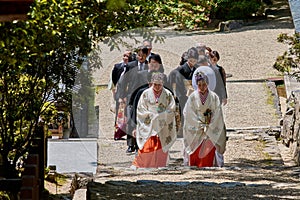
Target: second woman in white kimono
{"points": [[204, 129]]}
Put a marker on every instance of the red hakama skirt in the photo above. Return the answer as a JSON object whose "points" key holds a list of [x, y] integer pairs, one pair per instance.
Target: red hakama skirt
{"points": [[152, 155], [204, 155]]}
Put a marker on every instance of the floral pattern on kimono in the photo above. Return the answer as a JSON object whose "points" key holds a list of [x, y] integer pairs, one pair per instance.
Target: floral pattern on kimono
{"points": [[156, 118], [198, 127]]}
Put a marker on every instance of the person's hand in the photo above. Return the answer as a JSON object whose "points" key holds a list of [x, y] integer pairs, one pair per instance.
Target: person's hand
{"points": [[217, 147], [224, 102], [134, 133], [113, 91]]}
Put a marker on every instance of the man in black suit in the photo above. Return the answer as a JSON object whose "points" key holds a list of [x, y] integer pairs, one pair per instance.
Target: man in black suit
{"points": [[128, 83], [118, 70], [120, 67], [180, 79], [148, 44]]}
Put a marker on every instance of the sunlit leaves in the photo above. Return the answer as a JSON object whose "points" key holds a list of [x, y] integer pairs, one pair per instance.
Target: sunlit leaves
{"points": [[115, 4], [290, 60]]}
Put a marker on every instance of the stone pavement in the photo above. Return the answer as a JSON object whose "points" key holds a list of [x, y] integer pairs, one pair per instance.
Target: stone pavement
{"points": [[256, 166]]}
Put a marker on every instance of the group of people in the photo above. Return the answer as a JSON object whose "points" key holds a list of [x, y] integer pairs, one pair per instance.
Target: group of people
{"points": [[153, 108]]}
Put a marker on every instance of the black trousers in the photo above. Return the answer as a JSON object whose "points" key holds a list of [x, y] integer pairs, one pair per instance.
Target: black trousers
{"points": [[131, 125], [131, 141]]}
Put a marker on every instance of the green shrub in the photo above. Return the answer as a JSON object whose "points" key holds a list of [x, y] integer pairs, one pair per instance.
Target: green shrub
{"points": [[195, 14], [289, 61], [186, 14], [236, 9], [4, 196]]}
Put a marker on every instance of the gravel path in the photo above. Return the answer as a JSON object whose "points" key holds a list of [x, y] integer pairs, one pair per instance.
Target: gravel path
{"points": [[256, 165], [247, 53]]}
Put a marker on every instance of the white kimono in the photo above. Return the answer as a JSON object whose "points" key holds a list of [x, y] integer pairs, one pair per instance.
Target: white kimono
{"points": [[196, 128], [156, 117]]}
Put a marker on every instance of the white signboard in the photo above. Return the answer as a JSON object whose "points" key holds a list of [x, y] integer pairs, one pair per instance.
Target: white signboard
{"points": [[295, 10]]}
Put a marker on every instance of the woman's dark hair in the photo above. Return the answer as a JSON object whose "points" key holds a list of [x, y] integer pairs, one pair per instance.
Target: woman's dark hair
{"points": [[155, 57], [216, 54], [183, 58], [208, 49]]}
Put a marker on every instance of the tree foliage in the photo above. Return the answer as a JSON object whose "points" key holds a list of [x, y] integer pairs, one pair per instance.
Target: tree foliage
{"points": [[45, 50], [289, 61], [188, 14], [242, 9]]}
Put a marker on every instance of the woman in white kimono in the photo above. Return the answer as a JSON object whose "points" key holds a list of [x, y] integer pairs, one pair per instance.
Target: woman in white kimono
{"points": [[156, 127], [204, 129]]}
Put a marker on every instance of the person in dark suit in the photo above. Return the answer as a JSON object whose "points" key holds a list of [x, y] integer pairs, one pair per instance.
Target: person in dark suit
{"points": [[155, 65], [118, 70], [148, 44], [128, 83], [180, 79], [188, 68], [120, 67]]}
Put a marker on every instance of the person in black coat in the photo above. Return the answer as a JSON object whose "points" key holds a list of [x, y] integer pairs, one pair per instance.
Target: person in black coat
{"points": [[129, 81], [120, 67], [118, 70], [148, 43], [178, 77], [143, 79]]}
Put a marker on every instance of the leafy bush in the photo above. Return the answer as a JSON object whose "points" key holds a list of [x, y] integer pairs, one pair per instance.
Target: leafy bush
{"points": [[234, 9], [289, 61], [195, 14], [3, 196], [186, 14]]}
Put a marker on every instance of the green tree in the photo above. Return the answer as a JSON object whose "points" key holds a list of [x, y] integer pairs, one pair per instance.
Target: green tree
{"points": [[289, 61], [49, 48]]}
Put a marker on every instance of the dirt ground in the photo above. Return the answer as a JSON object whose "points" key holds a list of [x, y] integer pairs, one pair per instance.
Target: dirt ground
{"points": [[251, 171]]}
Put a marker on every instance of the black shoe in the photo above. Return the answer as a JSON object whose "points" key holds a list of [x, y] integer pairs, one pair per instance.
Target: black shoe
{"points": [[130, 149]]}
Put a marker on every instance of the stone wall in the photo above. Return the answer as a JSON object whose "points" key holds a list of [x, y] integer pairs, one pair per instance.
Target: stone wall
{"points": [[290, 133]]}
